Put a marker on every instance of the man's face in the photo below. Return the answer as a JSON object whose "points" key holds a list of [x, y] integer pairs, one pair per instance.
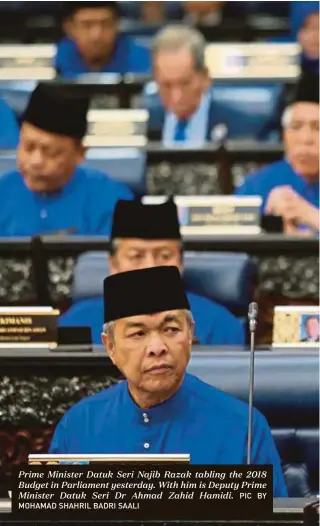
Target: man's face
{"points": [[301, 139], [94, 32], [135, 254], [202, 8], [152, 351], [180, 85], [308, 36], [45, 160], [312, 328]]}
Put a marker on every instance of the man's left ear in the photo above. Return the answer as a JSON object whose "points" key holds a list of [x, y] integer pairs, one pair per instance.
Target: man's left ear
{"points": [[191, 335]]}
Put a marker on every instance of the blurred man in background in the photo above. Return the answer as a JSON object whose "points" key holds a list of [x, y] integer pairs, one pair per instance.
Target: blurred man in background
{"points": [[184, 110], [149, 236], [152, 12], [9, 128], [203, 13], [305, 29], [184, 86], [50, 191], [290, 188], [93, 43]]}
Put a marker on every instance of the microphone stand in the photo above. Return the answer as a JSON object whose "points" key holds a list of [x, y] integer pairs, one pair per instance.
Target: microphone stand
{"points": [[252, 326]]}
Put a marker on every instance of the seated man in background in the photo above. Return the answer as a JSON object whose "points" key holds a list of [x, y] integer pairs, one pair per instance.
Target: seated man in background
{"points": [[205, 13], [9, 128], [93, 43], [152, 12], [185, 112], [304, 22], [50, 191], [148, 236], [160, 408], [305, 30], [290, 188]]}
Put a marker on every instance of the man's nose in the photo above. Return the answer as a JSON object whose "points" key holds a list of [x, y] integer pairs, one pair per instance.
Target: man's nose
{"points": [[35, 158], [176, 95], [149, 261], [156, 346], [306, 135], [96, 32]]}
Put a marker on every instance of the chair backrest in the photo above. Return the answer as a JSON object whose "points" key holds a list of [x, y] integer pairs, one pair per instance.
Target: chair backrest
{"points": [[222, 277], [17, 93], [287, 393], [127, 165], [251, 111], [7, 161]]}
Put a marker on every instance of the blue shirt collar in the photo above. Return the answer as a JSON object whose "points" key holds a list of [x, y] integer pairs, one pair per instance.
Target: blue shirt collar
{"points": [[171, 409]]}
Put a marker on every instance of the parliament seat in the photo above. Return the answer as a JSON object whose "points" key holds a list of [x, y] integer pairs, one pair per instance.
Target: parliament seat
{"points": [[17, 94], [222, 277], [127, 165], [287, 394]]}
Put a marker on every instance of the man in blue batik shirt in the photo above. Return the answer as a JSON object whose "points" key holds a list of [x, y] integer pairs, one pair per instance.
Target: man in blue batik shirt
{"points": [[160, 408], [290, 188], [52, 190], [147, 236], [93, 43]]}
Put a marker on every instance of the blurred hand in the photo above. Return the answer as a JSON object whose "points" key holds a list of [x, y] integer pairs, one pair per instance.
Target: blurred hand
{"points": [[285, 202]]}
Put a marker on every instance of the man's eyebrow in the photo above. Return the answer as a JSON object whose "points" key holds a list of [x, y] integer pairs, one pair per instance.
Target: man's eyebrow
{"points": [[134, 325], [170, 318]]}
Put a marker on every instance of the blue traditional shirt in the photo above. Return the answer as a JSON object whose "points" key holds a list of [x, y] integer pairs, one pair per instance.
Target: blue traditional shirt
{"points": [[84, 205], [200, 420]]}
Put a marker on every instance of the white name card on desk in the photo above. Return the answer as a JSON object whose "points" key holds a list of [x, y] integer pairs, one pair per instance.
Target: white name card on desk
{"points": [[25, 327], [296, 326], [27, 62], [253, 60], [117, 128], [209, 215], [106, 458]]}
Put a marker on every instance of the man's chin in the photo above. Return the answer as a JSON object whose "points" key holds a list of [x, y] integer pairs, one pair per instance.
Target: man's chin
{"points": [[161, 382]]}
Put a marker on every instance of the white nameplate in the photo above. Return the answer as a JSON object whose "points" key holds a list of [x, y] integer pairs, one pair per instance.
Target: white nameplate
{"points": [[254, 60], [117, 128], [115, 459], [25, 327], [27, 62], [201, 215], [296, 326]]}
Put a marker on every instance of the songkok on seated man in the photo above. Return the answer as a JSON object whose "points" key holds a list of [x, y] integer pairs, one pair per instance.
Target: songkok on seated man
{"points": [[143, 236], [159, 407], [51, 191]]}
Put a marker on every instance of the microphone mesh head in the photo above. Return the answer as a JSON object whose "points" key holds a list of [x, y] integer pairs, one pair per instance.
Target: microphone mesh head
{"points": [[253, 310]]}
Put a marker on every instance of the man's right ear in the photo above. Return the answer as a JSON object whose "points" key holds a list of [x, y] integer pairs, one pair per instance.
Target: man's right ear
{"points": [[108, 345], [112, 265]]}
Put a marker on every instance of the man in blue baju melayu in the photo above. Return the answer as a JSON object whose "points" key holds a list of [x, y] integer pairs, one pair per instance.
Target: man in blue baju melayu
{"points": [[149, 235], [160, 408], [290, 187], [51, 189]]}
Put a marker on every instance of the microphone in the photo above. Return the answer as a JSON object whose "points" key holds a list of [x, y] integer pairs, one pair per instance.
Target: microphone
{"points": [[252, 316]]}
